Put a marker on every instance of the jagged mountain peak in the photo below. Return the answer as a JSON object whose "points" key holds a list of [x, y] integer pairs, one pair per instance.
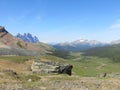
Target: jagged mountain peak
{"points": [[28, 37], [11, 45]]}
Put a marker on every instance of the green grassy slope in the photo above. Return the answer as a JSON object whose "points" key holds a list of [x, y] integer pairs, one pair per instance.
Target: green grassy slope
{"points": [[92, 66], [111, 52], [84, 66]]}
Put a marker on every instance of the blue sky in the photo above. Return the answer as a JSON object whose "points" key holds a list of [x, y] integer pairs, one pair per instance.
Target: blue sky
{"points": [[62, 20]]}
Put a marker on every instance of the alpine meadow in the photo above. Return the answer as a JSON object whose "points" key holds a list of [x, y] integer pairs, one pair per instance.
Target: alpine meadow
{"points": [[60, 45]]}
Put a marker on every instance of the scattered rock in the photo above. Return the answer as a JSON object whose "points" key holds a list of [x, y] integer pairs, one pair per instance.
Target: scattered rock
{"points": [[43, 88], [105, 74], [29, 80]]}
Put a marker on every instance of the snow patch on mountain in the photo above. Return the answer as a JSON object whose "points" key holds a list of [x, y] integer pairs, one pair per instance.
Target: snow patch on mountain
{"points": [[79, 45]]}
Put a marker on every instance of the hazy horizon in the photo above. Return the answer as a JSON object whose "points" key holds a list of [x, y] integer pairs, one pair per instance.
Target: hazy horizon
{"points": [[62, 20]]}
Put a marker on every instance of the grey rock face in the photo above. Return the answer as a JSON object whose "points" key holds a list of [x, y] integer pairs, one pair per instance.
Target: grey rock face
{"points": [[28, 37], [3, 30], [51, 67]]}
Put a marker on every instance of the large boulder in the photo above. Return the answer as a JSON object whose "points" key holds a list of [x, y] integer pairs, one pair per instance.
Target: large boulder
{"points": [[65, 69], [51, 67]]}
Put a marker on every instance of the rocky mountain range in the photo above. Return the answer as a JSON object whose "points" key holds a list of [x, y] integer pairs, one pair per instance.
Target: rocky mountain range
{"points": [[83, 44], [27, 44], [28, 37], [11, 45], [79, 45]]}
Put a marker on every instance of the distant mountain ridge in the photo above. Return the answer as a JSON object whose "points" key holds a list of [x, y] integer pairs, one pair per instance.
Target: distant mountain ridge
{"points": [[28, 37], [112, 52], [11, 45], [115, 42], [79, 45]]}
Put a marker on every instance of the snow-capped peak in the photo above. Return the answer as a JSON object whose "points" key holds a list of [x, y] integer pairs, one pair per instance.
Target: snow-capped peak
{"points": [[85, 41], [79, 45], [80, 41]]}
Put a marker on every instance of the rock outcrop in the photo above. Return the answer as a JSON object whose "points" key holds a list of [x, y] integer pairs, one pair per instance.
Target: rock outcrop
{"points": [[51, 67], [2, 29]]}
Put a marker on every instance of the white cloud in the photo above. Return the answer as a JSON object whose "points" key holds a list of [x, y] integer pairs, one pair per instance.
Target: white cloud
{"points": [[113, 31], [115, 27]]}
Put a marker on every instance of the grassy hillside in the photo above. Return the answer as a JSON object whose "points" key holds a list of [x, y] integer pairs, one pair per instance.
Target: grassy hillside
{"points": [[11, 45], [84, 66], [92, 66], [61, 53], [111, 52], [88, 72], [19, 52]]}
